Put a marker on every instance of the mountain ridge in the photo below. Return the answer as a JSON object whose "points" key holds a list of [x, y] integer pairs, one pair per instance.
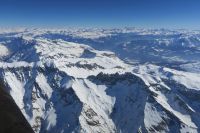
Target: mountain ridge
{"points": [[64, 85]]}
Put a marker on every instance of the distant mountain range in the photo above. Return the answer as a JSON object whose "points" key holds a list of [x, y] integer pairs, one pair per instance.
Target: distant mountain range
{"points": [[103, 80]]}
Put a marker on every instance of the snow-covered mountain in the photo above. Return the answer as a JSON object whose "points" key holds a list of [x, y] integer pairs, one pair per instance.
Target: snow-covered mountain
{"points": [[103, 80]]}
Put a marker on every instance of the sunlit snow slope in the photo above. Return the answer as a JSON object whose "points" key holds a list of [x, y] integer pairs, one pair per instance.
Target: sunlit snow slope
{"points": [[98, 80]]}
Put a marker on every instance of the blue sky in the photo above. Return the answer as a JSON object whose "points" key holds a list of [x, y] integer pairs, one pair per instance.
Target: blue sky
{"points": [[101, 13]]}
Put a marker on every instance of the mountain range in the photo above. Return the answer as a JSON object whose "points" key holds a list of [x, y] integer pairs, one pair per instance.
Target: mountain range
{"points": [[124, 80]]}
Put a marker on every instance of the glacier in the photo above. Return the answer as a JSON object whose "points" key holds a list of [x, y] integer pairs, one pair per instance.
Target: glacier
{"points": [[94, 80]]}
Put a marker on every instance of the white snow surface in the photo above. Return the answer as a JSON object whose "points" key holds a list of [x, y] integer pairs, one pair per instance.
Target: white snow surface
{"points": [[3, 51]]}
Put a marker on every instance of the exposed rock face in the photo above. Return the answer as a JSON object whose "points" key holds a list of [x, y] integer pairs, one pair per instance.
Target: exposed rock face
{"points": [[11, 118]]}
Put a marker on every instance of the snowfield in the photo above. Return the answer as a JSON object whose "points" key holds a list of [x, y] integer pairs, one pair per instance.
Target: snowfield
{"points": [[3, 51], [103, 80]]}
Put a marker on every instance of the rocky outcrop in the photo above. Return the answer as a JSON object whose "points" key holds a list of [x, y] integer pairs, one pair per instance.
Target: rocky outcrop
{"points": [[11, 117]]}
